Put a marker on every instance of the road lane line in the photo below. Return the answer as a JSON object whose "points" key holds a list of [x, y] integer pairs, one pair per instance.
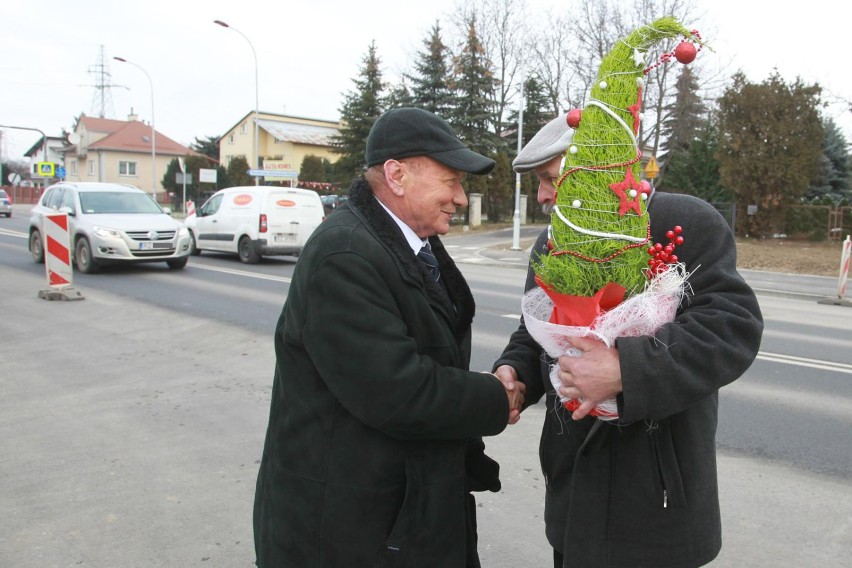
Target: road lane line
{"points": [[241, 273], [11, 233], [805, 362]]}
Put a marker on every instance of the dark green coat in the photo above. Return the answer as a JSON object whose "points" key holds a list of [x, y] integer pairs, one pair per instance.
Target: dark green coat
{"points": [[373, 438], [644, 492]]}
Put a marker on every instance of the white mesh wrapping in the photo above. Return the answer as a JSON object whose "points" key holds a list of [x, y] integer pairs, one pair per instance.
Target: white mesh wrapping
{"points": [[641, 314]]}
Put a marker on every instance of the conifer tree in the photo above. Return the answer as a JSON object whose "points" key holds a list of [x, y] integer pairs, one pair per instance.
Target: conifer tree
{"points": [[537, 113], [473, 86], [832, 181], [209, 146], [429, 88], [696, 170], [361, 107], [685, 115]]}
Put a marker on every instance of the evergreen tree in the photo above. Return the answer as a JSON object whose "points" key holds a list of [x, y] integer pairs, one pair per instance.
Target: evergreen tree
{"points": [[687, 162], [399, 96], [831, 183], [771, 140], [684, 118], [537, 113], [209, 146], [696, 170], [473, 86], [238, 172], [361, 107], [429, 88]]}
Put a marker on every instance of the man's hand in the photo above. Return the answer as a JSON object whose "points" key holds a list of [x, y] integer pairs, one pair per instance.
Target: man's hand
{"points": [[593, 377], [515, 390]]}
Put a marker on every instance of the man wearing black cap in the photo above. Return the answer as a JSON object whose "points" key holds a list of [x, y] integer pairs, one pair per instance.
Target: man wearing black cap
{"points": [[641, 490], [374, 437]]}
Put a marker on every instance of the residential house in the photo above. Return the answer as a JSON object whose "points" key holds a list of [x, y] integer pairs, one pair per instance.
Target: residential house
{"points": [[50, 149], [283, 143], [119, 151]]}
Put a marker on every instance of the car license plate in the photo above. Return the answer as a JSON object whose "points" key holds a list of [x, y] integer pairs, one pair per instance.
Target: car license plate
{"points": [[146, 246], [283, 237]]}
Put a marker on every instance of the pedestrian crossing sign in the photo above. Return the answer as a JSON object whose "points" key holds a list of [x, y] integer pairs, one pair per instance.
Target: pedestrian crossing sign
{"points": [[46, 169]]}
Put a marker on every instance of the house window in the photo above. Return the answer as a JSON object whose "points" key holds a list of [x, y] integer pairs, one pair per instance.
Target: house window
{"points": [[230, 139], [244, 128], [73, 167], [91, 167], [127, 168]]}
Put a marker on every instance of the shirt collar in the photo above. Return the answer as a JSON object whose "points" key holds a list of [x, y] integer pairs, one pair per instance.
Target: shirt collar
{"points": [[415, 242]]}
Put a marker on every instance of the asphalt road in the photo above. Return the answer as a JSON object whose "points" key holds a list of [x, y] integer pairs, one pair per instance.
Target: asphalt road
{"points": [[132, 421]]}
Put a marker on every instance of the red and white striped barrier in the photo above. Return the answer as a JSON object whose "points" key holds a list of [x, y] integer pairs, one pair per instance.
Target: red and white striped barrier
{"points": [[57, 250], [844, 267], [190, 208], [57, 259]]}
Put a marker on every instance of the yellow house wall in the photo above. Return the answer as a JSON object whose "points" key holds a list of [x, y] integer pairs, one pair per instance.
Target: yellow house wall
{"points": [[239, 141]]}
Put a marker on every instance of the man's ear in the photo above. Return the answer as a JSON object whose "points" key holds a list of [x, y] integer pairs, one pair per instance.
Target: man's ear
{"points": [[394, 174]]}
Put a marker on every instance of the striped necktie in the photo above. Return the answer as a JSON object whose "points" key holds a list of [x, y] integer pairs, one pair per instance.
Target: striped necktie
{"points": [[425, 255]]}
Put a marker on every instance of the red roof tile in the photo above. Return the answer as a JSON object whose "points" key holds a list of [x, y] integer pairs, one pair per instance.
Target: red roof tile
{"points": [[131, 136]]}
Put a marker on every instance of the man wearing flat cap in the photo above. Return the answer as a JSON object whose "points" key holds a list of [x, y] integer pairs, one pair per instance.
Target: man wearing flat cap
{"points": [[375, 425], [640, 490]]}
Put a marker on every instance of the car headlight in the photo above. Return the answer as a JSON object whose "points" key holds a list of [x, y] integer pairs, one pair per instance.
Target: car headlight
{"points": [[105, 232], [183, 231]]}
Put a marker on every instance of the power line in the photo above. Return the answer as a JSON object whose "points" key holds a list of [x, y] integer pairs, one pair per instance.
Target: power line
{"points": [[102, 106]]}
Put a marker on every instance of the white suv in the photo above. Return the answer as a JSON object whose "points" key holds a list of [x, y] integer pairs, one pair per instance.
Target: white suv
{"points": [[110, 223]]}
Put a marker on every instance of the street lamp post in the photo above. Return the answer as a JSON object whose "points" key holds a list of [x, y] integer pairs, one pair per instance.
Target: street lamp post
{"points": [[516, 225], [153, 131], [254, 53]]}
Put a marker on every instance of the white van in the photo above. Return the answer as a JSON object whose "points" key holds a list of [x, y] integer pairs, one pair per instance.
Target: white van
{"points": [[256, 220]]}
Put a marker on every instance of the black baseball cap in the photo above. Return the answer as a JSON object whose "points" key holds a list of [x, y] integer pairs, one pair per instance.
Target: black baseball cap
{"points": [[407, 132]]}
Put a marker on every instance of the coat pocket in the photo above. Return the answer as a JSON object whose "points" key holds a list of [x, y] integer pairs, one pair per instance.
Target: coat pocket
{"points": [[671, 492]]}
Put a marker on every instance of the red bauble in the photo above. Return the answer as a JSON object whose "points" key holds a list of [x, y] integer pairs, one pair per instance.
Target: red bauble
{"points": [[685, 52], [574, 116]]}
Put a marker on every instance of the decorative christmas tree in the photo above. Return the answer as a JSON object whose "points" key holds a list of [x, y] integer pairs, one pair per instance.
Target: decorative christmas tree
{"points": [[600, 231], [598, 280]]}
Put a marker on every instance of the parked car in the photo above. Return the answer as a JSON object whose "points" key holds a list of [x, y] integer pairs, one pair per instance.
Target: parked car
{"points": [[110, 223], [5, 204], [332, 202], [255, 221]]}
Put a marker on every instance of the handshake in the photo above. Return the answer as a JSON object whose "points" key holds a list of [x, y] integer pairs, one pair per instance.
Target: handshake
{"points": [[515, 390]]}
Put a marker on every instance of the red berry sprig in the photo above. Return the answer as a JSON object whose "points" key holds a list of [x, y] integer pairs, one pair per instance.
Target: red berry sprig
{"points": [[663, 256]]}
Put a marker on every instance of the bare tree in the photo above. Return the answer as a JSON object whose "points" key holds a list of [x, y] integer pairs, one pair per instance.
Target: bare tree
{"points": [[569, 52], [553, 61], [503, 34]]}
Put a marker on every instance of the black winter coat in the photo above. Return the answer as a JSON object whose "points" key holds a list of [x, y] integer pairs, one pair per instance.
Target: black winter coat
{"points": [[644, 492], [373, 438]]}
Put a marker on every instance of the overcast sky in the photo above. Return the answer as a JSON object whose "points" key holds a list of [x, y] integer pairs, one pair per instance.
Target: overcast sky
{"points": [[308, 52]]}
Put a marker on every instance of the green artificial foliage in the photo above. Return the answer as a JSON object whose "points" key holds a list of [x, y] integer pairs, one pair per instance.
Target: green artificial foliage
{"points": [[603, 161]]}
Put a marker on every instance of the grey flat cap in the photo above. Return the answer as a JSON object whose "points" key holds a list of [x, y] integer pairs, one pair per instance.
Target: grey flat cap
{"points": [[552, 140]]}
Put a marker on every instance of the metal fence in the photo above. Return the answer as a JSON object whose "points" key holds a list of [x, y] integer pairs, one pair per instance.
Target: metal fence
{"points": [[804, 222]]}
